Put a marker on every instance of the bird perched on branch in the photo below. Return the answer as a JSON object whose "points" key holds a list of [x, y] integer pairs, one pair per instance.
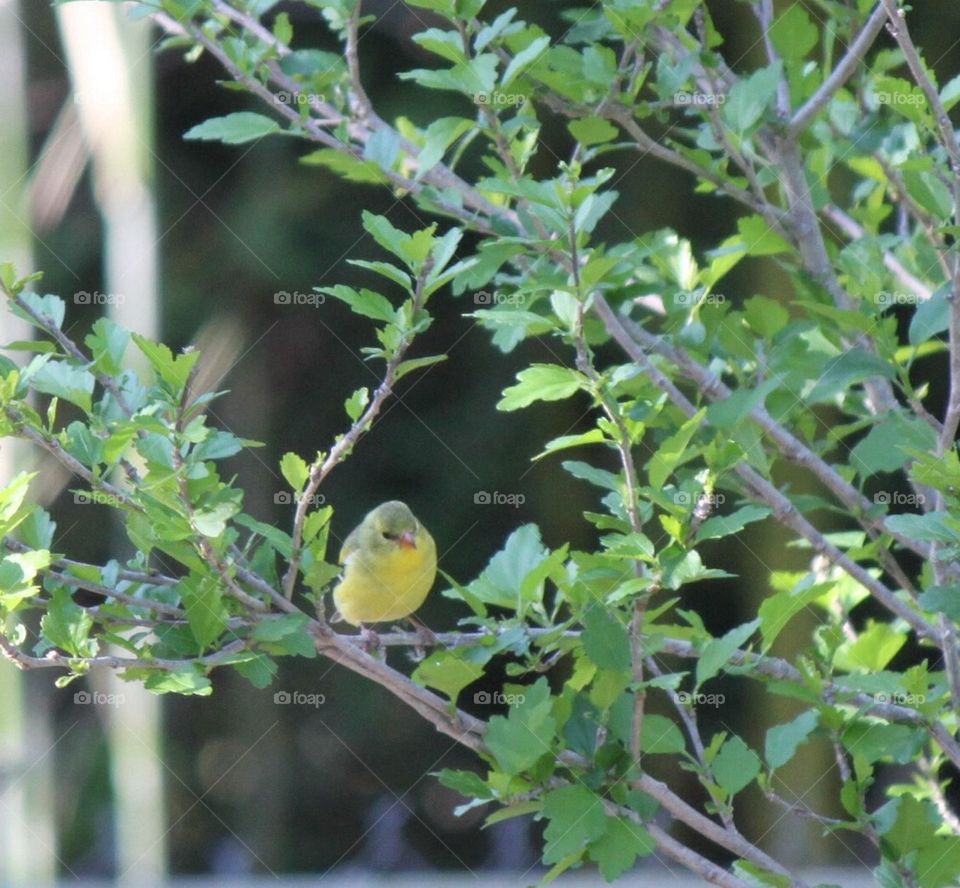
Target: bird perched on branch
{"points": [[390, 563]]}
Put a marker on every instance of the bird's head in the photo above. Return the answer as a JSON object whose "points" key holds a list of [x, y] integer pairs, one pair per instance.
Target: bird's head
{"points": [[393, 524]]}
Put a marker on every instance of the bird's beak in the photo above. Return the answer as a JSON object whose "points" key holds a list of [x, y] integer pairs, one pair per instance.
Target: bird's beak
{"points": [[408, 540]]}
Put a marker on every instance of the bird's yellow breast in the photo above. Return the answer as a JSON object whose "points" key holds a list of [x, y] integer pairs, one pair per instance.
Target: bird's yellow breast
{"points": [[386, 585]]}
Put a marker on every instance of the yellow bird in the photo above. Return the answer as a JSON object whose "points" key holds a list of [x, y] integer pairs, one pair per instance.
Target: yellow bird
{"points": [[390, 563]]}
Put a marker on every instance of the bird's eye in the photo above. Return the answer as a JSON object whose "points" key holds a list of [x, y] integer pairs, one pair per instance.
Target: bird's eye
{"points": [[388, 536]]}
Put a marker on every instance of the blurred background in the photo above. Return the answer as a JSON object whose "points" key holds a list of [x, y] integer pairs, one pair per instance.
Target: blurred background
{"points": [[191, 242]]}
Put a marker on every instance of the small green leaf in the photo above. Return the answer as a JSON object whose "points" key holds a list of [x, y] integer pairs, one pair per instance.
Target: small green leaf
{"points": [[674, 450], [295, 470], [363, 302], [735, 766], [576, 818], [541, 382], [62, 380], [406, 367], [526, 734], [67, 626], [605, 639], [357, 403], [616, 851], [183, 681], [234, 129], [783, 740], [660, 736], [206, 612], [716, 654], [448, 672], [592, 130]]}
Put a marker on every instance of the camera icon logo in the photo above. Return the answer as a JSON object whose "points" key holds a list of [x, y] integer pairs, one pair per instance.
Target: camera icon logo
{"points": [[281, 697], [481, 698], [84, 698]]}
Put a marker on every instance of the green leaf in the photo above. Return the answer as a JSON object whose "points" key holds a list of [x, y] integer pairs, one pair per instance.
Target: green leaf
{"points": [[363, 302], [749, 97], [348, 167], [258, 669], [468, 783], [441, 133], [931, 317], [175, 371], [776, 611], [62, 380], [716, 654], [616, 851], [759, 239], [37, 529], [660, 736], [735, 766], [673, 451], [525, 735], [234, 129], [873, 649], [183, 681], [67, 626], [541, 382], [793, 33], [599, 477], [576, 818], [852, 366], [783, 740], [107, 343], [357, 403], [524, 59], [502, 579], [943, 600], [405, 367], [931, 527], [884, 448], [448, 672], [902, 97], [564, 442], [592, 130], [720, 526], [295, 470], [206, 612], [605, 639]]}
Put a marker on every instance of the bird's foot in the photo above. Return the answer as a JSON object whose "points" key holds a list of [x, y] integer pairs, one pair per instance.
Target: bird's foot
{"points": [[370, 642], [425, 638]]}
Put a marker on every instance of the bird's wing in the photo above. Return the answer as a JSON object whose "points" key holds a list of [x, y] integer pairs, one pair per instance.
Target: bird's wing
{"points": [[350, 545]]}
